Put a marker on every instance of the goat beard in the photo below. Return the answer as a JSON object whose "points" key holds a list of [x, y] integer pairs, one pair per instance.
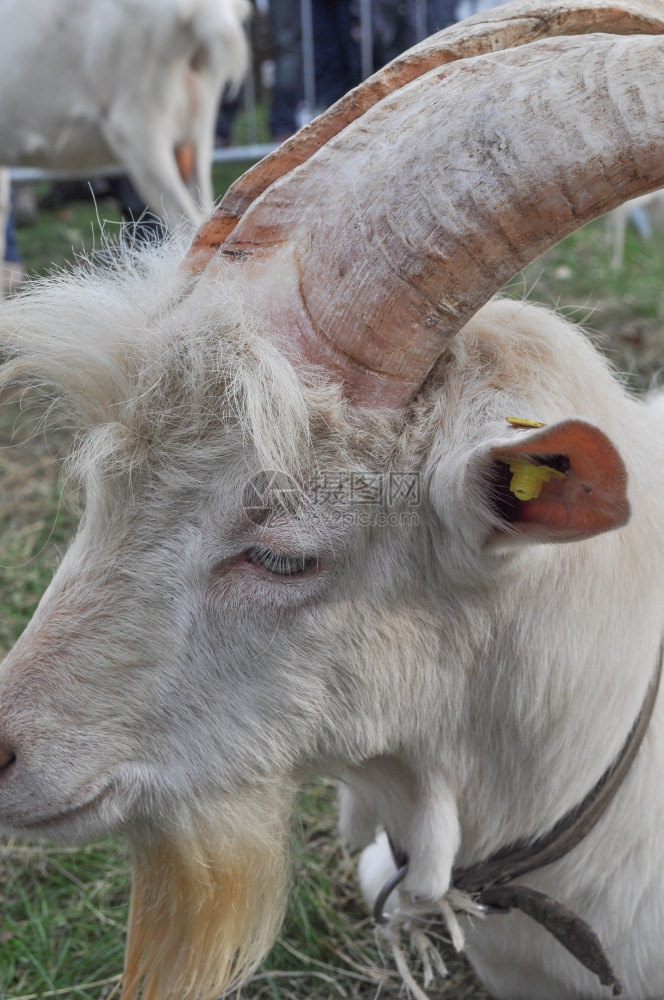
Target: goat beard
{"points": [[207, 902]]}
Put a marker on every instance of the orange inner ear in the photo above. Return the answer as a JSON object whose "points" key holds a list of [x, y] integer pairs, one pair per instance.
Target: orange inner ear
{"points": [[589, 499]]}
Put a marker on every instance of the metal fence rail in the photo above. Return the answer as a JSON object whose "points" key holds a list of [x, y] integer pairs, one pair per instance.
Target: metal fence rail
{"points": [[230, 154]]}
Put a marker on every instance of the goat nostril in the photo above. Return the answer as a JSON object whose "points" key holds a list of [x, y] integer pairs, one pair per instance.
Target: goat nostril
{"points": [[7, 758]]}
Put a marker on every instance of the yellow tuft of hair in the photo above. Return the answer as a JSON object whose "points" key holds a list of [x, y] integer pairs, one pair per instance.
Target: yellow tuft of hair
{"points": [[205, 907]]}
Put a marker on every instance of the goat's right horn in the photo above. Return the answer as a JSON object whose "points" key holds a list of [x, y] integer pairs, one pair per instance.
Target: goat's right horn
{"points": [[504, 27], [376, 250]]}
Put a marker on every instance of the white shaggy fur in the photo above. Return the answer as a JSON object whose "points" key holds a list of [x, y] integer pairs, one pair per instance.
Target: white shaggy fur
{"points": [[466, 684]]}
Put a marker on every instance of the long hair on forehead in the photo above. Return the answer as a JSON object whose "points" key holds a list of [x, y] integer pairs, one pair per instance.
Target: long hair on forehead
{"points": [[207, 902]]}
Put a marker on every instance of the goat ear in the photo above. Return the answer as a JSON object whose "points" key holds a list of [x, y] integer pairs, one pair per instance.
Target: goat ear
{"points": [[565, 482]]}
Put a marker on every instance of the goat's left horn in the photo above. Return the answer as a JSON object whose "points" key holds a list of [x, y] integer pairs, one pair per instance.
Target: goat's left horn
{"points": [[384, 243]]}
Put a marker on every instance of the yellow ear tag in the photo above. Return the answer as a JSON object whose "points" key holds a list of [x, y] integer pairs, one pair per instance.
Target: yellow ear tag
{"points": [[526, 424], [527, 478]]}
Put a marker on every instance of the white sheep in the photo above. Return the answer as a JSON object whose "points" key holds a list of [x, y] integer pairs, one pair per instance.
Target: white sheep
{"points": [[249, 599], [129, 82]]}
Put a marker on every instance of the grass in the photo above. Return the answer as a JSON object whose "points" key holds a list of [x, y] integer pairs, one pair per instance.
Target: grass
{"points": [[624, 309], [62, 911], [63, 914]]}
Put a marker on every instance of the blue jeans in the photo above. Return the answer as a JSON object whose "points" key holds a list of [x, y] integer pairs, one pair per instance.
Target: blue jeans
{"points": [[288, 86], [440, 14], [337, 50]]}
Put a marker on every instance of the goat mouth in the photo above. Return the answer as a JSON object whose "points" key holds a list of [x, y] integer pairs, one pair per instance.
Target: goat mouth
{"points": [[66, 815]]}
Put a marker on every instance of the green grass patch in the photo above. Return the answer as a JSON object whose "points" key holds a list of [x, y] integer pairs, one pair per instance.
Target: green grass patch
{"points": [[623, 308], [63, 918]]}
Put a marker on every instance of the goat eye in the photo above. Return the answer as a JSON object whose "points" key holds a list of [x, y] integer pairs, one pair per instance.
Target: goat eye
{"points": [[279, 564]]}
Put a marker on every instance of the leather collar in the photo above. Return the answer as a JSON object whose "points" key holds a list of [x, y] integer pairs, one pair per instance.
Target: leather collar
{"points": [[490, 882]]}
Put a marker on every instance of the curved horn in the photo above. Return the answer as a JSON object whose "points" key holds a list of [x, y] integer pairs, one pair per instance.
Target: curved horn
{"points": [[507, 26], [372, 254]]}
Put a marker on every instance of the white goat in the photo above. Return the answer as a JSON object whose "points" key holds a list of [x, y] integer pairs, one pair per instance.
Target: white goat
{"points": [[619, 218], [215, 634], [130, 82]]}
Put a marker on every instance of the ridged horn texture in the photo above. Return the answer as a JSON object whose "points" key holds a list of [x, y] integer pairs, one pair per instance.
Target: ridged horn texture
{"points": [[505, 27], [385, 241]]}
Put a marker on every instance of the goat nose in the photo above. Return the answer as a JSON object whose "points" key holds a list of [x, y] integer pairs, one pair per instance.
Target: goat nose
{"points": [[7, 758]]}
